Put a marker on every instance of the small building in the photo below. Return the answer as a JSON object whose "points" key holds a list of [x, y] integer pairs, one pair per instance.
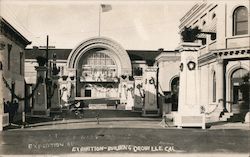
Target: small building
{"points": [[12, 58]]}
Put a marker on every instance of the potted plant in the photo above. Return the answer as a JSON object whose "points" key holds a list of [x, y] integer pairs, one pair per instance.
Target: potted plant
{"points": [[190, 34]]}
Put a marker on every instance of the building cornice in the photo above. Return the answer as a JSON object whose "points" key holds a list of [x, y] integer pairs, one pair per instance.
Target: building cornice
{"points": [[227, 54], [205, 58], [196, 14], [188, 46], [168, 57], [10, 32]]}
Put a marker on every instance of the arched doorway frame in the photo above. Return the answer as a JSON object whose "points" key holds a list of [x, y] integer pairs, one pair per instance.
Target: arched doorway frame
{"points": [[113, 49], [174, 96], [171, 81], [119, 54], [229, 85]]}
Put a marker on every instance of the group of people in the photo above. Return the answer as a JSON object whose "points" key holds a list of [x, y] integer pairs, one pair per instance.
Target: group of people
{"points": [[11, 107]]}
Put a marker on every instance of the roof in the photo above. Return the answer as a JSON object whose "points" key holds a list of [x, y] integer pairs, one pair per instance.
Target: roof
{"points": [[62, 54], [7, 28], [144, 54]]}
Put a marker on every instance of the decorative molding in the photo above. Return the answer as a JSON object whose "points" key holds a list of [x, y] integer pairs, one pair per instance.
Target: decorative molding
{"points": [[11, 33], [188, 46], [224, 54], [205, 58], [191, 65], [231, 52], [151, 69]]}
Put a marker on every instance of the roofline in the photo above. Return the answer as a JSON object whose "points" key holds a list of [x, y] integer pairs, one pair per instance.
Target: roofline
{"points": [[126, 50], [153, 50], [26, 41]]}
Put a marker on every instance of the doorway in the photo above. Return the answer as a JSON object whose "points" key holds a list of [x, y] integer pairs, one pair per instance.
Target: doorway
{"points": [[240, 91], [175, 93]]}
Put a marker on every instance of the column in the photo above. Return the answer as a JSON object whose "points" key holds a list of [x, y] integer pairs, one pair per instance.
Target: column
{"points": [[55, 99], [189, 109], [40, 96], [220, 84], [150, 107], [138, 93]]}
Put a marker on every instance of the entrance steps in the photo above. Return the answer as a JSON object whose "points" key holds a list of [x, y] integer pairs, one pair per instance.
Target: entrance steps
{"points": [[225, 116], [232, 117], [109, 113]]}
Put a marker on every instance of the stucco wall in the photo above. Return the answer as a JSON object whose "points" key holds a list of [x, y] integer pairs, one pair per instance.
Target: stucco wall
{"points": [[168, 70], [14, 73]]}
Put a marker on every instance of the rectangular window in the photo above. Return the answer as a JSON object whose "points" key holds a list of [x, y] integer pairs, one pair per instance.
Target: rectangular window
{"points": [[241, 28], [21, 63], [87, 93], [137, 71]]}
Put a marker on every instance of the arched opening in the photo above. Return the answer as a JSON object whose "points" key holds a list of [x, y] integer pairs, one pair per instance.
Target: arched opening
{"points": [[98, 62], [87, 90], [175, 93], [240, 91], [98, 68], [240, 21]]}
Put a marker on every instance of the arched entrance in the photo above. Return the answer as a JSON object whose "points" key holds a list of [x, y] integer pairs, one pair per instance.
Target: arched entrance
{"points": [[175, 93], [239, 80], [97, 64]]}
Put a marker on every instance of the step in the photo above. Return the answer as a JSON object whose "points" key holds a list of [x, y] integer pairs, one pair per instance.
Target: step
{"points": [[226, 116], [109, 113]]}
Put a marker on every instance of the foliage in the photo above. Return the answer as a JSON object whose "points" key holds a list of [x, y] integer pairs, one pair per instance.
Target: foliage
{"points": [[41, 60], [190, 34]]}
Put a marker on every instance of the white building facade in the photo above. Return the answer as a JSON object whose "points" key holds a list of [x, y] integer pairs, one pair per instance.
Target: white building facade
{"points": [[100, 73], [214, 68], [223, 57]]}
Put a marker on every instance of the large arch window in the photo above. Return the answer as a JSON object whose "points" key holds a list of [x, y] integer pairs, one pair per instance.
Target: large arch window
{"points": [[99, 66], [240, 21]]}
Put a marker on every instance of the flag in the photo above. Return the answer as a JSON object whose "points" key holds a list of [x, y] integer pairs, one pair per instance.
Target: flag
{"points": [[106, 7]]}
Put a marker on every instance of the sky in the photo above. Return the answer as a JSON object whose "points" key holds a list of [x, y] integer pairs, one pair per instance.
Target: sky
{"points": [[136, 25]]}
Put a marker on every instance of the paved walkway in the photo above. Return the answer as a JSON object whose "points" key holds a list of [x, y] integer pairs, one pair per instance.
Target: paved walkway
{"points": [[123, 122], [237, 125], [153, 123]]}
